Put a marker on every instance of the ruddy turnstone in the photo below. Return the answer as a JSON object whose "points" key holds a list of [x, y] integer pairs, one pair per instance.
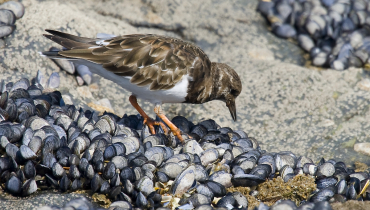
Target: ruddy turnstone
{"points": [[155, 68]]}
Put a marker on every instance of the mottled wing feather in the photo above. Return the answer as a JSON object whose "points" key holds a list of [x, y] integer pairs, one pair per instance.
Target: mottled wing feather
{"points": [[152, 60]]}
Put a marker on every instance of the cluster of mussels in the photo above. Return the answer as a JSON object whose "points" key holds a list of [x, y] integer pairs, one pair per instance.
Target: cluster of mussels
{"points": [[9, 12], [46, 144], [335, 33]]}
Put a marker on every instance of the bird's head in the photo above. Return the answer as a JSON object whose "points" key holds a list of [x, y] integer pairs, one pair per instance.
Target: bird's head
{"points": [[228, 86]]}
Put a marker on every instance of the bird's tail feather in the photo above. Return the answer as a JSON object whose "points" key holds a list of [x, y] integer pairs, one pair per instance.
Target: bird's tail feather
{"points": [[54, 55], [70, 41]]}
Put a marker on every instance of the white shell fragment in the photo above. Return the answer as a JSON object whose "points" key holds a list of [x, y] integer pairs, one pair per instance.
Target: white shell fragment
{"points": [[54, 80]]}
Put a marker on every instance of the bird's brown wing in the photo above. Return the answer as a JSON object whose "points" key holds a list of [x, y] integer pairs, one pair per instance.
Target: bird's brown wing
{"points": [[149, 59]]}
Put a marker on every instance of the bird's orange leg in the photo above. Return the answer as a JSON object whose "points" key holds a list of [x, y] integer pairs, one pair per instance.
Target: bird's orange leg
{"points": [[147, 120], [176, 131]]}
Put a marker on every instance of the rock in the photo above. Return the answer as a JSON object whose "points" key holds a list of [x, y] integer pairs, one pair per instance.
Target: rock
{"points": [[84, 92], [102, 106], [364, 84], [67, 99], [363, 148]]}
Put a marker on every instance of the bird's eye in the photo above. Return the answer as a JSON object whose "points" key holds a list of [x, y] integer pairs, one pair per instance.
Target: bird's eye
{"points": [[234, 92]]}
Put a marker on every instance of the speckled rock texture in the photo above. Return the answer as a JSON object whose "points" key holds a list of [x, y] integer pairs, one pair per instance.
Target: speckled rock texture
{"points": [[284, 105]]}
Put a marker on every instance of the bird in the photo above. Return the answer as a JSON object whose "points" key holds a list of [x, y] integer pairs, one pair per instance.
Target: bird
{"points": [[155, 68]]}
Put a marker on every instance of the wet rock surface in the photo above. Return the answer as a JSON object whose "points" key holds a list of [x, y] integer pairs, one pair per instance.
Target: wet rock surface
{"points": [[315, 113]]}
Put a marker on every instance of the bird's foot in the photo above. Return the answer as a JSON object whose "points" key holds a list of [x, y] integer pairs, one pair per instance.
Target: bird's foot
{"points": [[176, 132], [151, 123]]}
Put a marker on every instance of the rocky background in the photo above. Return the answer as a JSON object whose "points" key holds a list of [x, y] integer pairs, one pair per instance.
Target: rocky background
{"points": [[285, 104]]}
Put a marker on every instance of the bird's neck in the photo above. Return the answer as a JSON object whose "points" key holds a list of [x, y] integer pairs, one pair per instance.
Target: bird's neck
{"points": [[203, 88]]}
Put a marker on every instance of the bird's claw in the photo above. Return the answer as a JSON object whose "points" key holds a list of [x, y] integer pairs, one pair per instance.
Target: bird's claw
{"points": [[177, 132], [151, 123]]}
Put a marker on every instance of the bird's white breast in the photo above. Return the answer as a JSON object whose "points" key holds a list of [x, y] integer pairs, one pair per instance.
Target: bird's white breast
{"points": [[176, 94]]}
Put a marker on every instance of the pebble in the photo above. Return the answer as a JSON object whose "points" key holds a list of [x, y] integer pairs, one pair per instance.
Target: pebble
{"points": [[364, 84], [94, 87], [363, 148], [261, 54], [80, 81], [84, 92], [328, 122], [67, 99], [101, 106]]}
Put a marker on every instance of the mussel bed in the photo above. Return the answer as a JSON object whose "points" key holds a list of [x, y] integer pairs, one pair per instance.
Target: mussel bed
{"points": [[335, 33], [10, 11], [47, 144]]}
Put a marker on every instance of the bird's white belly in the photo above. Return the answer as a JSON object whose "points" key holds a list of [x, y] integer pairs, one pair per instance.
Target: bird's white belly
{"points": [[176, 94]]}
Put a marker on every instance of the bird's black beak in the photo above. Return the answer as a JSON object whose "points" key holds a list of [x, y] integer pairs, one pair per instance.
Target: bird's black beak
{"points": [[232, 108]]}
